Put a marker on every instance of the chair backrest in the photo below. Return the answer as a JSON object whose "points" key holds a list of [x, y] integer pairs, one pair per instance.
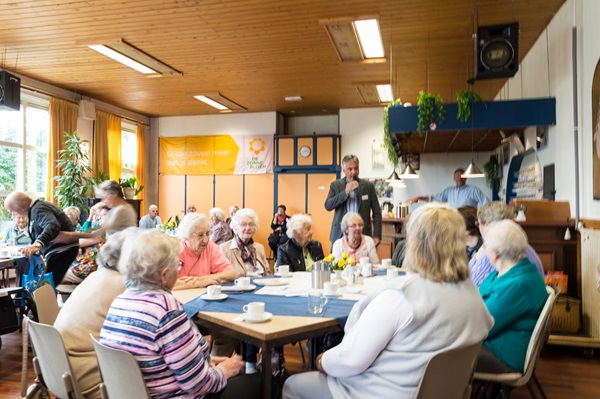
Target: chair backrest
{"points": [[46, 304], [120, 373], [539, 335], [448, 374], [53, 362]]}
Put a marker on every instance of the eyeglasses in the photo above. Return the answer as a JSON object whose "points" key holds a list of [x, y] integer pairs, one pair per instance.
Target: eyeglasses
{"points": [[356, 226], [244, 225], [201, 235]]}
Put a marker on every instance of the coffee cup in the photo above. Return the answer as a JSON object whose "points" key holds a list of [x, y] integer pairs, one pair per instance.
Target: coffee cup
{"points": [[254, 310], [330, 288], [242, 282], [316, 301], [282, 270], [213, 291], [386, 263], [364, 260], [391, 273], [367, 270], [4, 253]]}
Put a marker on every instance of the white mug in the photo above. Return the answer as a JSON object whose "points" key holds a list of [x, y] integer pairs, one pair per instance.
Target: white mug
{"points": [[367, 270], [254, 310], [213, 291], [391, 273], [4, 253], [330, 288], [364, 260], [282, 270], [316, 301], [242, 282], [386, 263]]}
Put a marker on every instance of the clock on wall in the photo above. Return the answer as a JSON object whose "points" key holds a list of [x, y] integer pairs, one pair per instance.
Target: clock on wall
{"points": [[305, 151]]}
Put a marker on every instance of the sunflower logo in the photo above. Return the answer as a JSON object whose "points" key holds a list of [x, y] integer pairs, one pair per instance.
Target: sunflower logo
{"points": [[257, 145]]}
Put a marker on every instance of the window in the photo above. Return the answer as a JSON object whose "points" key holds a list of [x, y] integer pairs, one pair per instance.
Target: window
{"points": [[24, 149], [128, 149]]}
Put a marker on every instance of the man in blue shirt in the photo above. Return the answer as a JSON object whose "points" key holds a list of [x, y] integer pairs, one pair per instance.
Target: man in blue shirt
{"points": [[460, 195]]}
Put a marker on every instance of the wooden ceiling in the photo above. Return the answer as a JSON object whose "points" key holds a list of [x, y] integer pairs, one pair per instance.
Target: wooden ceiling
{"points": [[254, 52]]}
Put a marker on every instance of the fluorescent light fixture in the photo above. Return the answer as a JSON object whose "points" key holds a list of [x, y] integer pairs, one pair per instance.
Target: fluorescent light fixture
{"points": [[356, 39], [135, 58], [370, 38], [293, 98], [385, 93], [218, 101]]}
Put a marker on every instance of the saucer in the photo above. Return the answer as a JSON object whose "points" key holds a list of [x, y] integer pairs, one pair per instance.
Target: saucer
{"points": [[5, 257], [265, 317], [334, 295], [289, 274], [221, 297], [251, 287], [271, 281]]}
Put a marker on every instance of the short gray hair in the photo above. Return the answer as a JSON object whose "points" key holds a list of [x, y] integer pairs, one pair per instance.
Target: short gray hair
{"points": [[247, 212], [218, 213], [110, 251], [348, 217], [507, 239], [152, 206], [296, 223], [190, 222], [350, 158], [74, 210], [494, 211], [111, 187], [146, 254]]}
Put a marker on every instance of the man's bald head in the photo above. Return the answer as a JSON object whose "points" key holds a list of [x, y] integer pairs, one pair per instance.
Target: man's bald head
{"points": [[18, 203]]}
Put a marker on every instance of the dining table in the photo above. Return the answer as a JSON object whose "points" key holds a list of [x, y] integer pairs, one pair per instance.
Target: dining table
{"points": [[286, 305], [15, 261]]}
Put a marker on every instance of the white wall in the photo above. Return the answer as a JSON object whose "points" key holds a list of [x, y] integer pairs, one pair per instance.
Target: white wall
{"points": [[532, 81], [323, 124]]}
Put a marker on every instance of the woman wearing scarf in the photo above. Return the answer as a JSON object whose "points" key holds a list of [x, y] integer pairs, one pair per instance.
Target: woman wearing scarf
{"points": [[354, 243], [247, 257], [279, 227]]}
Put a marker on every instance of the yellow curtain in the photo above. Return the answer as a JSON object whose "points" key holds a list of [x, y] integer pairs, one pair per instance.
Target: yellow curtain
{"points": [[140, 168], [107, 145], [63, 118]]}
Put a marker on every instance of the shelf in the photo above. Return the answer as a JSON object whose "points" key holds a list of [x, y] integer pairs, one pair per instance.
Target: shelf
{"points": [[583, 341]]}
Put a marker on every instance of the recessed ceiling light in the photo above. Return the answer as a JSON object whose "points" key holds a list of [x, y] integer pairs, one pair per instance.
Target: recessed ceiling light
{"points": [[218, 101], [356, 39], [293, 98]]}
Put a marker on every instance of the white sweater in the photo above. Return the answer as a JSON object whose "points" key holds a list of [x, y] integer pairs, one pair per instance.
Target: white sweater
{"points": [[391, 335]]}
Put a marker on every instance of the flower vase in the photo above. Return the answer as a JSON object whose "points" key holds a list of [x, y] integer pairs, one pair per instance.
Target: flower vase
{"points": [[338, 278], [521, 216]]}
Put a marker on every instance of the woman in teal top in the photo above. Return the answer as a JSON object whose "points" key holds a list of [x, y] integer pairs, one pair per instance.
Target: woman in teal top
{"points": [[18, 234], [514, 294]]}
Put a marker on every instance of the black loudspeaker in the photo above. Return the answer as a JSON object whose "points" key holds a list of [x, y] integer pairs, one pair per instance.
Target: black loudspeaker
{"points": [[10, 91], [497, 51]]}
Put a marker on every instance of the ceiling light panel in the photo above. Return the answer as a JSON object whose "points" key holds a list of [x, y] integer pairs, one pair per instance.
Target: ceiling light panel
{"points": [[370, 38], [218, 101]]}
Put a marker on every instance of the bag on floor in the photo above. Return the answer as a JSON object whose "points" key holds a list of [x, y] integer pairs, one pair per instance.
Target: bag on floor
{"points": [[9, 321]]}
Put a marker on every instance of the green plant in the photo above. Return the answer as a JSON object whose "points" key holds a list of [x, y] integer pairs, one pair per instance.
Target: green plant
{"points": [[131, 182], [101, 177], [464, 101], [73, 181], [430, 108], [493, 172], [388, 143], [171, 223]]}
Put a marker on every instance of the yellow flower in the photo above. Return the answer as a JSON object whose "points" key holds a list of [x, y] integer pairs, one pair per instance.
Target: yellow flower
{"points": [[344, 255], [340, 263], [350, 260]]}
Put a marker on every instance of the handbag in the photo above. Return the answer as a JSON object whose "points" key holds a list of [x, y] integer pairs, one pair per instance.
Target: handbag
{"points": [[30, 280]]}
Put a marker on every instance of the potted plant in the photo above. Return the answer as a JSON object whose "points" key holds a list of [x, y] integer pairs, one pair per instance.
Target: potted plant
{"points": [[493, 172], [73, 182], [97, 180], [388, 141], [430, 108], [129, 187], [464, 101]]}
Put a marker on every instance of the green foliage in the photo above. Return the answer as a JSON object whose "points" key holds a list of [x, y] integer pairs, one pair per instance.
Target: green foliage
{"points": [[465, 100], [387, 138], [73, 181], [431, 109], [131, 182], [493, 172]]}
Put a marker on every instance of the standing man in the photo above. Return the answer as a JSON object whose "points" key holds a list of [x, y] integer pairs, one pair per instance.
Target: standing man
{"points": [[191, 208], [46, 221], [351, 194], [459, 195], [151, 220]]}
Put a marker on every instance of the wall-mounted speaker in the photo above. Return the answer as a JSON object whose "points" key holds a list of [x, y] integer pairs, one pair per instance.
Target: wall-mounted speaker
{"points": [[10, 91], [497, 51]]}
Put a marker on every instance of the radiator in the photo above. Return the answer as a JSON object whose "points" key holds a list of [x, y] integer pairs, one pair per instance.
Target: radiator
{"points": [[590, 281]]}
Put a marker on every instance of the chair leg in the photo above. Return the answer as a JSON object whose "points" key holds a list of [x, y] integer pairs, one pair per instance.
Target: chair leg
{"points": [[539, 386], [301, 352]]}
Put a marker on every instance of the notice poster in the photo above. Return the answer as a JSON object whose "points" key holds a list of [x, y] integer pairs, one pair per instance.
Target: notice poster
{"points": [[216, 155]]}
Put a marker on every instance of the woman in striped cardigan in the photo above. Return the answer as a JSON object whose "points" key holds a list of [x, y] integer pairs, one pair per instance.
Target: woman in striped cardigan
{"points": [[147, 321]]}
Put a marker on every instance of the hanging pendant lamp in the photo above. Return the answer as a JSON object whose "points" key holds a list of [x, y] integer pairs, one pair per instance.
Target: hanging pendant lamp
{"points": [[472, 171], [395, 181], [409, 172]]}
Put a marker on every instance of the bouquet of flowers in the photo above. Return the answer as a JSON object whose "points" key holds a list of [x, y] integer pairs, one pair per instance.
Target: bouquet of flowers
{"points": [[171, 224], [340, 263]]}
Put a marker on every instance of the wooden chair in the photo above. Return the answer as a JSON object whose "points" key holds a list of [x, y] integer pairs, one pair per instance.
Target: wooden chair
{"points": [[536, 343], [448, 374], [121, 375], [46, 304], [52, 361]]}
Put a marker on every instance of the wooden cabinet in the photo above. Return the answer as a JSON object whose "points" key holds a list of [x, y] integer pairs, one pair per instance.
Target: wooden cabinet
{"points": [[392, 231]]}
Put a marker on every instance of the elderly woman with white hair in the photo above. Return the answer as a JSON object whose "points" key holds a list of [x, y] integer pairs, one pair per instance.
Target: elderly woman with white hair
{"points": [[247, 256], [220, 231], [354, 242], [514, 294], [73, 213], [148, 322], [201, 262], [433, 309], [300, 251]]}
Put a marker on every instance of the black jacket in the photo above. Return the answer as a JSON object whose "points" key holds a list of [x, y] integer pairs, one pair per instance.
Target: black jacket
{"points": [[291, 254], [46, 220]]}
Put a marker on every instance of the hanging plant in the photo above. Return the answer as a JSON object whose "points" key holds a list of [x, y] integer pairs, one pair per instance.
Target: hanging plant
{"points": [[465, 100], [493, 172], [388, 143], [431, 109]]}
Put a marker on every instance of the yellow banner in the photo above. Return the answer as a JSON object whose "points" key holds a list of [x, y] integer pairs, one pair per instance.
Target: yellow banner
{"points": [[198, 155]]}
